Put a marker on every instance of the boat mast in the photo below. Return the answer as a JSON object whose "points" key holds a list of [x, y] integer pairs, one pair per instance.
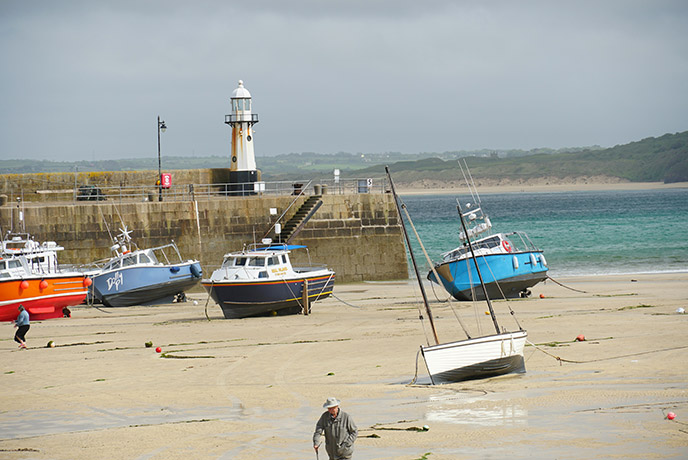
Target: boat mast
{"points": [[413, 259], [475, 262]]}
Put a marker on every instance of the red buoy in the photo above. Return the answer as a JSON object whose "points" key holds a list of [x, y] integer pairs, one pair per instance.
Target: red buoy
{"points": [[43, 284], [580, 338], [87, 282], [158, 349], [542, 296], [671, 416], [24, 284]]}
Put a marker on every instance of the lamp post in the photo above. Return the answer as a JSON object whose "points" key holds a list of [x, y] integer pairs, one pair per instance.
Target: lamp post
{"points": [[161, 127]]}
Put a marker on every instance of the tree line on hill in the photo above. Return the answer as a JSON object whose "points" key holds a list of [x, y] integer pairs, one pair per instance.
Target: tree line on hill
{"points": [[660, 159]]}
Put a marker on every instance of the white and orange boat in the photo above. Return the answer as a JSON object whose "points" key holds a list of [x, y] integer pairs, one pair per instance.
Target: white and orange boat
{"points": [[30, 276]]}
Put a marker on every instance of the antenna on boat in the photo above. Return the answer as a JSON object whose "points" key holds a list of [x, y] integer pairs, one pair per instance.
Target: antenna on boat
{"points": [[475, 262], [471, 184], [106, 224], [413, 259]]}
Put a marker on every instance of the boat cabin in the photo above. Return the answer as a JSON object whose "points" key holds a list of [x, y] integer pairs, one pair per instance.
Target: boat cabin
{"points": [[496, 244], [255, 265], [14, 267], [145, 257], [499, 243], [41, 258]]}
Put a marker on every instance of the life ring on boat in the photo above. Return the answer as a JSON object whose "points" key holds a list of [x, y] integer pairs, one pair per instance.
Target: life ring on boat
{"points": [[507, 246]]}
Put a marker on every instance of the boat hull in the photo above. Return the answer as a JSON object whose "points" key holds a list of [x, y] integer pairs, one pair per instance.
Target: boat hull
{"points": [[145, 285], [505, 275], [476, 358], [47, 302], [242, 299]]}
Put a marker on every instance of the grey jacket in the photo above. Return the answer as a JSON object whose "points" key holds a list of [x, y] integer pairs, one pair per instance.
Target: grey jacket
{"points": [[340, 434]]}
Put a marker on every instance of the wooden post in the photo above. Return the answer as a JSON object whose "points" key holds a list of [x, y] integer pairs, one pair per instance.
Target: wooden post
{"points": [[305, 305]]}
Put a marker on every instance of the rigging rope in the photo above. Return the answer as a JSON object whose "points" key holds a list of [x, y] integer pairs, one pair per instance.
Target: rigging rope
{"points": [[427, 257]]}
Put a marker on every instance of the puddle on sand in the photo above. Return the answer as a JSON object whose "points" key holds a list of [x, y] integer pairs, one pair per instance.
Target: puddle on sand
{"points": [[17, 425]]}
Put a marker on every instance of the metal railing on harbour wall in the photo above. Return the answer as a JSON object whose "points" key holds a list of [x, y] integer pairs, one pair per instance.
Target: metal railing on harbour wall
{"points": [[184, 192]]}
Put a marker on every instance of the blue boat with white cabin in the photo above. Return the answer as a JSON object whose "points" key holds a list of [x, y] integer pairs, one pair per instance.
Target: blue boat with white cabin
{"points": [[144, 276], [510, 263]]}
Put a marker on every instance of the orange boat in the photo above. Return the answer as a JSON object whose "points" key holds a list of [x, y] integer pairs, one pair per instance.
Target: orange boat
{"points": [[43, 296], [30, 276]]}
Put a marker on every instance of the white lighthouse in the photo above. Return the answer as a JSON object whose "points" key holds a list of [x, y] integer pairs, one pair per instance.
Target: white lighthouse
{"points": [[242, 170]]}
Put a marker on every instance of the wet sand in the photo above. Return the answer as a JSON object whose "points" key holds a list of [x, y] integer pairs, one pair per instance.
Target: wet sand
{"points": [[254, 388]]}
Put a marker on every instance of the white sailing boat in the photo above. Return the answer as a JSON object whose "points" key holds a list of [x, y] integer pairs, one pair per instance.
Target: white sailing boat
{"points": [[474, 357]]}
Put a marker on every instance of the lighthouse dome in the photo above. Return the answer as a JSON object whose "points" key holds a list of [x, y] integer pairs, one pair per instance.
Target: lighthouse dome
{"points": [[241, 92]]}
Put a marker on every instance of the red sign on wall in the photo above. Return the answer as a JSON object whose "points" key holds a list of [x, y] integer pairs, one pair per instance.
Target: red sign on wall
{"points": [[166, 180]]}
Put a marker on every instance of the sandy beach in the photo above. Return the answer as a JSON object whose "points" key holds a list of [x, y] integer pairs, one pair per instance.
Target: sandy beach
{"points": [[254, 388], [538, 185]]}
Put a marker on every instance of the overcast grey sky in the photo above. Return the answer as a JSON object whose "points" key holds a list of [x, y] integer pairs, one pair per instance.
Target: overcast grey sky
{"points": [[85, 80]]}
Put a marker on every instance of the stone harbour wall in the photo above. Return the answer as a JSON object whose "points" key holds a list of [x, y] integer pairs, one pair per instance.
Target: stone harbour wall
{"points": [[357, 235]]}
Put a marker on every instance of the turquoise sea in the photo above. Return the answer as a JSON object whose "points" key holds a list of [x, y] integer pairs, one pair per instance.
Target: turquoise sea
{"points": [[581, 233]]}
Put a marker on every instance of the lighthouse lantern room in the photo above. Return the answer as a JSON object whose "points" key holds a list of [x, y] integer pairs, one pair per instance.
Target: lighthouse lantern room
{"points": [[242, 171]]}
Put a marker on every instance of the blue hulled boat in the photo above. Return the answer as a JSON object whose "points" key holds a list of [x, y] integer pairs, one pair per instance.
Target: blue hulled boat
{"points": [[144, 276], [262, 281], [509, 262]]}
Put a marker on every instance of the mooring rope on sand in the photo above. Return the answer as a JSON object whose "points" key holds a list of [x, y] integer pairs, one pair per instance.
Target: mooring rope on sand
{"points": [[345, 302], [562, 360], [564, 286]]}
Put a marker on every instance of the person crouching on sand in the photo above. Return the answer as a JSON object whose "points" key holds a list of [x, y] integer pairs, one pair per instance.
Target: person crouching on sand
{"points": [[22, 325], [339, 429]]}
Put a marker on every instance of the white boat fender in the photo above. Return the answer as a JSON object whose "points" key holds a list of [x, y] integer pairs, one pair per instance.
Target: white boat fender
{"points": [[515, 262], [542, 259], [533, 260]]}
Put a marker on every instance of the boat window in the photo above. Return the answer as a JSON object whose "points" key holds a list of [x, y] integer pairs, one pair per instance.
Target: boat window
{"points": [[240, 261], [127, 261], [284, 258], [263, 275], [113, 265], [144, 259], [274, 260], [256, 262], [13, 264], [488, 243], [153, 258], [2, 265]]}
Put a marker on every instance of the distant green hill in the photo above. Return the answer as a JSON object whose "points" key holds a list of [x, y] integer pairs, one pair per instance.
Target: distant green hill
{"points": [[661, 159]]}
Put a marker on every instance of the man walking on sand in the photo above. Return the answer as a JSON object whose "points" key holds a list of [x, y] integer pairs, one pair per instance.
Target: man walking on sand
{"points": [[22, 325], [339, 429]]}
